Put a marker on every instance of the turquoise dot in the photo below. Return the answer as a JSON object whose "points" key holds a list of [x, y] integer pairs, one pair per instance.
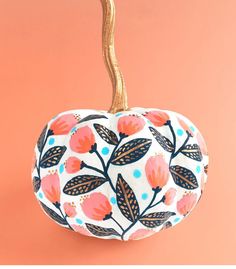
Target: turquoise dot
{"points": [[198, 169], [192, 128], [118, 114], [144, 196], [79, 221], [149, 122], [180, 132], [40, 195], [61, 168], [73, 129], [137, 173], [176, 220], [105, 150], [113, 200], [51, 141]]}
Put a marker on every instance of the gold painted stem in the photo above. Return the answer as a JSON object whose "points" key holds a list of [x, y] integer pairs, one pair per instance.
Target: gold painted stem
{"points": [[119, 99]]}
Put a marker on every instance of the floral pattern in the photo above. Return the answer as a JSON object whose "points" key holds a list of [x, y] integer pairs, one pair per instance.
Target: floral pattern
{"points": [[124, 176]]}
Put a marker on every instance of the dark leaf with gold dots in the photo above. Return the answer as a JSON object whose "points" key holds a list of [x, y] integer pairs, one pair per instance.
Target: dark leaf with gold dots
{"points": [[52, 156], [36, 183], [184, 177], [164, 142], [153, 220], [126, 199], [83, 184], [92, 117], [41, 139], [106, 134], [52, 214], [192, 152], [100, 231], [131, 151]]}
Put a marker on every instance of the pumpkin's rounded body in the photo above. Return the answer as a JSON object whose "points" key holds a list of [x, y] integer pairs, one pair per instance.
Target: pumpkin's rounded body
{"points": [[119, 176]]}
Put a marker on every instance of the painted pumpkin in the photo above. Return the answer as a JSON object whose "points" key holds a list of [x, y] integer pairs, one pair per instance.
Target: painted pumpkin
{"points": [[124, 176]]}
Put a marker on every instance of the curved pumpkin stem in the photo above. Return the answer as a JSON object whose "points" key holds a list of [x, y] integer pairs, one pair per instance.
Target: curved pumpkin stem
{"points": [[119, 100]]}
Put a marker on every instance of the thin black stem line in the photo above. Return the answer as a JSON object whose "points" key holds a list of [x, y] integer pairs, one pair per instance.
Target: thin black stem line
{"points": [[141, 215], [64, 216], [117, 223], [173, 134], [175, 153], [184, 144], [92, 168], [106, 167], [101, 159], [114, 149], [161, 201]]}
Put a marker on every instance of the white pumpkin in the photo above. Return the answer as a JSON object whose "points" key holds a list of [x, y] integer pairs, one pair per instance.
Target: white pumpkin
{"points": [[125, 176]]}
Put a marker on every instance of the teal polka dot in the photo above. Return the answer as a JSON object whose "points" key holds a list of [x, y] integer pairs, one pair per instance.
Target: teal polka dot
{"points": [[105, 150], [51, 141], [176, 220], [192, 128], [180, 132], [198, 169], [79, 221], [144, 196], [113, 200], [73, 129], [118, 114], [149, 122], [61, 168], [40, 195], [137, 173]]}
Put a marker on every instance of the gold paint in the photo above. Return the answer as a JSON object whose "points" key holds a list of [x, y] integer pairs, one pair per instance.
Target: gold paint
{"points": [[119, 99], [185, 179], [130, 150]]}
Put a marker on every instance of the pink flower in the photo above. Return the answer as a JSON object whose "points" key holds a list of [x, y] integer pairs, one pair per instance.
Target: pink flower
{"points": [[157, 172], [80, 229], [72, 165], [170, 196], [128, 125], [141, 233], [70, 210], [63, 124], [97, 207], [157, 117], [202, 144], [51, 187], [186, 203], [82, 140], [185, 126]]}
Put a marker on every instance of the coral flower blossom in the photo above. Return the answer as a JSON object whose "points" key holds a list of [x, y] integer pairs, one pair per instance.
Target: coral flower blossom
{"points": [[82, 140], [72, 165], [170, 196], [185, 126], [64, 124], [51, 187], [202, 144], [128, 125], [141, 233], [69, 209], [186, 203], [157, 172], [157, 117], [97, 207], [80, 229]]}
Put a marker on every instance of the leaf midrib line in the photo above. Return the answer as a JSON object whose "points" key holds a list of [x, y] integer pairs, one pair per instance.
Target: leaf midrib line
{"points": [[131, 150]]}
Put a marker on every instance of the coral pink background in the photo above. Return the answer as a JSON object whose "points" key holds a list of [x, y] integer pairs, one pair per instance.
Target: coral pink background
{"points": [[176, 55]]}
